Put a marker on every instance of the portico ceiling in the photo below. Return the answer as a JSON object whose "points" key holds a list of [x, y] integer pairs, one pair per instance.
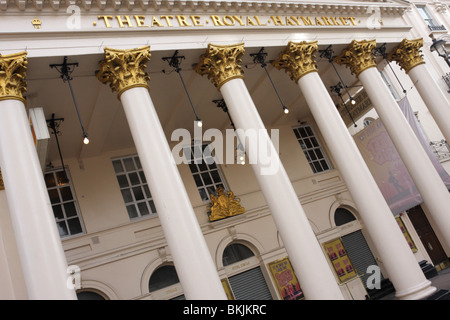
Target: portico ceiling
{"points": [[103, 116]]}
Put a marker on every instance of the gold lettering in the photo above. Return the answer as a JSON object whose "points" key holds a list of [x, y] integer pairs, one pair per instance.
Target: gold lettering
{"points": [[140, 21], [157, 22], [196, 21], [106, 20], [259, 22], [228, 20], [127, 21], [336, 23], [167, 18], [250, 22], [307, 21], [343, 20], [318, 22], [239, 19], [293, 18], [277, 20], [216, 20], [182, 21], [326, 21], [352, 19]]}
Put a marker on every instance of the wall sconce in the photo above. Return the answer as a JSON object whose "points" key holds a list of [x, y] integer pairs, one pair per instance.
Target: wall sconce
{"points": [[260, 58], [337, 88], [65, 69], [175, 61], [439, 47]]}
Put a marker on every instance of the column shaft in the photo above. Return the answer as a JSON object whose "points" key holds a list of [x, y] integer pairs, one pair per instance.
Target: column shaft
{"points": [[193, 262], [42, 257], [436, 102], [401, 265], [305, 253], [419, 165]]}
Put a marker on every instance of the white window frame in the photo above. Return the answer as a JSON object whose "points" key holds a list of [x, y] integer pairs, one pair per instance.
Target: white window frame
{"points": [[133, 186], [60, 199], [311, 148]]}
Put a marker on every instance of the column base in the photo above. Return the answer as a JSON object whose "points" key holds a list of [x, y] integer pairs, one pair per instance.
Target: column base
{"points": [[418, 292]]}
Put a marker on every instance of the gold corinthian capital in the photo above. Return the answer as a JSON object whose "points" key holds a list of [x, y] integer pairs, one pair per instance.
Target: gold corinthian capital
{"points": [[407, 54], [221, 63], [13, 71], [358, 56], [124, 69], [298, 59]]}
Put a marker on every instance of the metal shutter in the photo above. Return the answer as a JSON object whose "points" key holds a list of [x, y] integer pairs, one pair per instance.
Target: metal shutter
{"points": [[250, 285], [359, 252]]}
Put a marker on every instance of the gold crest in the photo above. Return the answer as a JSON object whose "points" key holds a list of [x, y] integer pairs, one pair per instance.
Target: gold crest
{"points": [[224, 205]]}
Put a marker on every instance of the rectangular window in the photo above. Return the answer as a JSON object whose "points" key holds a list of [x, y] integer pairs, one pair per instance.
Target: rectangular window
{"points": [[133, 186], [432, 24], [207, 175], [310, 145], [64, 205]]}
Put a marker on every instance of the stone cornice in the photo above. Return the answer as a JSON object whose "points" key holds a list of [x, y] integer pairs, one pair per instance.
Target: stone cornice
{"points": [[279, 7]]}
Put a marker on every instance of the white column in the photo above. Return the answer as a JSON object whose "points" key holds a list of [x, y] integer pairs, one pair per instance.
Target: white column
{"points": [[401, 265], [434, 98], [42, 257], [416, 160], [305, 253]]}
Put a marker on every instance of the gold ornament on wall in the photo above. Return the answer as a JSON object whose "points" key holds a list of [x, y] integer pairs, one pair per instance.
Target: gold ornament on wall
{"points": [[36, 23], [358, 56], [124, 69], [408, 54], [298, 59], [224, 205], [221, 63], [13, 71]]}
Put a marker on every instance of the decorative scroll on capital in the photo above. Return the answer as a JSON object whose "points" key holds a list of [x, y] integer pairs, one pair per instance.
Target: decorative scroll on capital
{"points": [[408, 54], [298, 59], [124, 69], [13, 71], [221, 63], [224, 205], [358, 56]]}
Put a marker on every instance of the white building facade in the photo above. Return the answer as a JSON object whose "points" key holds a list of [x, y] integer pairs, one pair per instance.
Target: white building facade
{"points": [[221, 162]]}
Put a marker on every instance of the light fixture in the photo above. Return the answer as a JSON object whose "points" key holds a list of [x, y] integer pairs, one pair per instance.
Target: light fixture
{"points": [[240, 152], [381, 51], [175, 61], [260, 58], [337, 88], [328, 54], [54, 124], [439, 47], [65, 69]]}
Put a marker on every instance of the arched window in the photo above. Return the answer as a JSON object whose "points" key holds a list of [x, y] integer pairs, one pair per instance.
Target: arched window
{"points": [[163, 277], [343, 216], [89, 295], [235, 252]]}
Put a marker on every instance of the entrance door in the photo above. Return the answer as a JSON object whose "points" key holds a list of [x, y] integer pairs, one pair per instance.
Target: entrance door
{"points": [[427, 235]]}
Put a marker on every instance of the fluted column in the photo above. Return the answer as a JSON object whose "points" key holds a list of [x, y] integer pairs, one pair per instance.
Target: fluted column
{"points": [[359, 57], [41, 254], [125, 71], [299, 60], [221, 65], [408, 55]]}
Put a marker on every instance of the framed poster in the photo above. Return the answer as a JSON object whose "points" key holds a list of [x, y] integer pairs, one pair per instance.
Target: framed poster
{"points": [[340, 260], [285, 280], [405, 232]]}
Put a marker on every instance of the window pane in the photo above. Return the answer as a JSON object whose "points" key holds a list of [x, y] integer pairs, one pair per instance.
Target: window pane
{"points": [[70, 210], [127, 196], [206, 178], [62, 228], [198, 180], [138, 162], [123, 181], [74, 226], [54, 196], [66, 194], [138, 193], [134, 179], [50, 180], [143, 209], [117, 164], [203, 194], [142, 175], [57, 211], [193, 167], [132, 212], [152, 206], [147, 191], [129, 164], [216, 177]]}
